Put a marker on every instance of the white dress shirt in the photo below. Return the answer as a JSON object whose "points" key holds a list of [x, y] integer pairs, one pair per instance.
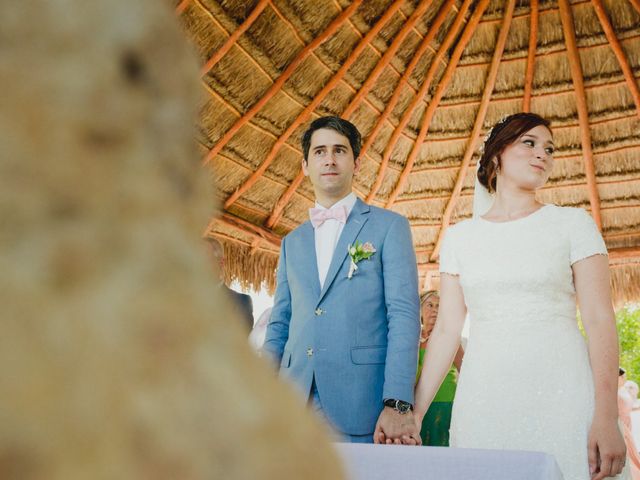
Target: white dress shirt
{"points": [[327, 236]]}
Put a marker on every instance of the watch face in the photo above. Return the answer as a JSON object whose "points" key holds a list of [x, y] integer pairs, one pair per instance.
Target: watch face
{"points": [[399, 406]]}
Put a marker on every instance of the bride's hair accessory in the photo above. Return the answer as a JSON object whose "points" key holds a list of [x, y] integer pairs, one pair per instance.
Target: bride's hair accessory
{"points": [[490, 132], [503, 134]]}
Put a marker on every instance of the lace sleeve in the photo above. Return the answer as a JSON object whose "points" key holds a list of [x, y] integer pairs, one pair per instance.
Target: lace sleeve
{"points": [[448, 261], [586, 239]]}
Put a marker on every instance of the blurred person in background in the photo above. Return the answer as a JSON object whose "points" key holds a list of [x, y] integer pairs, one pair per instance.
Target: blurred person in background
{"points": [[632, 388], [259, 332], [435, 424], [242, 302], [625, 405]]}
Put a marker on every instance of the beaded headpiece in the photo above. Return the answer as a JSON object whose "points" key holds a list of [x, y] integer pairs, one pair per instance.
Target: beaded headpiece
{"points": [[496, 127]]}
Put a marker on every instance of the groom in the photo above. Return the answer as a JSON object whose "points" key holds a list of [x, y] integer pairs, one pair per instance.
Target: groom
{"points": [[345, 324]]}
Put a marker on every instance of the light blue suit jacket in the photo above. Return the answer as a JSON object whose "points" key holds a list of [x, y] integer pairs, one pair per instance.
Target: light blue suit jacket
{"points": [[358, 336]]}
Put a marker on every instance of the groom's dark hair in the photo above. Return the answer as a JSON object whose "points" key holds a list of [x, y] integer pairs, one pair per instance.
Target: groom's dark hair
{"points": [[340, 125]]}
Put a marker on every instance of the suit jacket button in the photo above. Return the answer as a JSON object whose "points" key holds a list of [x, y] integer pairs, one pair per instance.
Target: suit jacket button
{"points": [[319, 311], [309, 352]]}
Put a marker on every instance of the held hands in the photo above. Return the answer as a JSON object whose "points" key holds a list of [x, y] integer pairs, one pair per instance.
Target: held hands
{"points": [[396, 428], [606, 449]]}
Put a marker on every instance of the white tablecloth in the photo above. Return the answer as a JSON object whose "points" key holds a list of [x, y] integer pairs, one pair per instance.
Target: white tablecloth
{"points": [[395, 462]]}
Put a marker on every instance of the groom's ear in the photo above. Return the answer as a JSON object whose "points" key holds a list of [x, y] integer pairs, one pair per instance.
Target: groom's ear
{"points": [[304, 167], [356, 166]]}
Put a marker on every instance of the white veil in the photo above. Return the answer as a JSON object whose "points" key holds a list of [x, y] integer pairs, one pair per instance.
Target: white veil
{"points": [[482, 202], [482, 199]]}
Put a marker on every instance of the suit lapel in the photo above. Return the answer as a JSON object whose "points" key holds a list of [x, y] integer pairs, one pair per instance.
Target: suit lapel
{"points": [[357, 218], [309, 260]]}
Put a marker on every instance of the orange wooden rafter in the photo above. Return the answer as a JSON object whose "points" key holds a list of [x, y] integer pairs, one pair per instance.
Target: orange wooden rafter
{"points": [[531, 58], [616, 46], [255, 245], [446, 139], [389, 54], [284, 199], [510, 98], [558, 186], [550, 9], [417, 99], [248, 56], [636, 4], [248, 227], [182, 6], [599, 152], [302, 117], [581, 103], [280, 81], [404, 80], [439, 93], [319, 58], [469, 193], [215, 58], [555, 50], [477, 126], [228, 238]]}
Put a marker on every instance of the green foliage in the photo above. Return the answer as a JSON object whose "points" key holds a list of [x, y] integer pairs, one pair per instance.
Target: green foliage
{"points": [[628, 323]]}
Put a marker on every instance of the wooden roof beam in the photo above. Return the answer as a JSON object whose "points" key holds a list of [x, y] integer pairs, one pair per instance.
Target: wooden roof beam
{"points": [[386, 58], [636, 4], [510, 98], [435, 100], [282, 202], [531, 58], [302, 117], [255, 231], [182, 6], [284, 76], [477, 126], [549, 9], [418, 98], [616, 46], [221, 52], [391, 104], [548, 51], [557, 186], [229, 238], [581, 103]]}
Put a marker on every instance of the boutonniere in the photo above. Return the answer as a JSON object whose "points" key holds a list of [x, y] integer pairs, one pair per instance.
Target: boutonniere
{"points": [[357, 252]]}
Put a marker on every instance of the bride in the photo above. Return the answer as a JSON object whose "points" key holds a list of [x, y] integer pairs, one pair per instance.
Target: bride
{"points": [[529, 380]]}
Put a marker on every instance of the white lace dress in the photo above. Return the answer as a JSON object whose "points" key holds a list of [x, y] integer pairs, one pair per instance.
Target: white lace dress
{"points": [[526, 381]]}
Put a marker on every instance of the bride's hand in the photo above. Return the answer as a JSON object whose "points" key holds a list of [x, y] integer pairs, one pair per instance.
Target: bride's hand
{"points": [[606, 449], [417, 418]]}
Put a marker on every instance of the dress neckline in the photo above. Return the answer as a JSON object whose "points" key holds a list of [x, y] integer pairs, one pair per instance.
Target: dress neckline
{"points": [[545, 205]]}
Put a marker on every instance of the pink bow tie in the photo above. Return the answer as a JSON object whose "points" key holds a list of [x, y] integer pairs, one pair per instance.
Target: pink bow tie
{"points": [[319, 215]]}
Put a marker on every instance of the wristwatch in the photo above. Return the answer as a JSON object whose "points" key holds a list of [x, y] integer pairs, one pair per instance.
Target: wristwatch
{"points": [[399, 406]]}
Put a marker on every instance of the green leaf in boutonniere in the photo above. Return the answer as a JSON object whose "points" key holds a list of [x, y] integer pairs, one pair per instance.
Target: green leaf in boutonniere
{"points": [[357, 252]]}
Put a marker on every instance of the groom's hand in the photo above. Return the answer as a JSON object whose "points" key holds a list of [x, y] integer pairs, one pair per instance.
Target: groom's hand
{"points": [[396, 428]]}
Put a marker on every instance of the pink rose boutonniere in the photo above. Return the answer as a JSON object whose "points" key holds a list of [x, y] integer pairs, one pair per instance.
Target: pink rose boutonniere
{"points": [[357, 252]]}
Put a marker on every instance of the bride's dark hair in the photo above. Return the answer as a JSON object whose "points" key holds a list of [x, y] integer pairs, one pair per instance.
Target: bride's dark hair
{"points": [[503, 134]]}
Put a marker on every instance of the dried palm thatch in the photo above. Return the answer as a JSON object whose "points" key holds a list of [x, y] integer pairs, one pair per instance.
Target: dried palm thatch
{"points": [[423, 80]]}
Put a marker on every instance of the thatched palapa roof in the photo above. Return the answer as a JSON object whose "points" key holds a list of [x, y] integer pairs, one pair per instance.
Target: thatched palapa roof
{"points": [[423, 80]]}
